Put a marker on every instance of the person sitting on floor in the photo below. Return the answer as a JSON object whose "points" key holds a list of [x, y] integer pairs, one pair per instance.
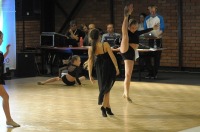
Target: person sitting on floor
{"points": [[72, 75]]}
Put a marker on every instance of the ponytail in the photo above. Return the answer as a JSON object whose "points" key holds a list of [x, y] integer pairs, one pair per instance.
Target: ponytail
{"points": [[94, 42], [94, 35]]}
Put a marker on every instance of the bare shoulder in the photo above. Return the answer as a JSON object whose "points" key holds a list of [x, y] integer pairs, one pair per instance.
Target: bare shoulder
{"points": [[106, 46]]}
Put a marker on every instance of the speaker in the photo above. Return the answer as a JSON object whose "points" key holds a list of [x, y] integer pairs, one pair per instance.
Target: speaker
{"points": [[25, 64], [28, 9], [53, 39]]}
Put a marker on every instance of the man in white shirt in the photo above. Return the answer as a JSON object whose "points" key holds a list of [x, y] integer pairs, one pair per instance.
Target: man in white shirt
{"points": [[149, 22]]}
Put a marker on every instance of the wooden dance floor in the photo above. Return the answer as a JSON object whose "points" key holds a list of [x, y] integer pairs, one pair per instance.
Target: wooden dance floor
{"points": [[170, 103]]}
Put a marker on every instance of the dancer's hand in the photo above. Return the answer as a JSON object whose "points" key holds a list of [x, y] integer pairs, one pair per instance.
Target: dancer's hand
{"points": [[128, 10], [92, 80], [156, 26], [7, 47]]}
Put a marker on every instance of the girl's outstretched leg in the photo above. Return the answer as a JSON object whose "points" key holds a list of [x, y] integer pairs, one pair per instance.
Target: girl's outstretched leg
{"points": [[124, 43], [50, 80]]}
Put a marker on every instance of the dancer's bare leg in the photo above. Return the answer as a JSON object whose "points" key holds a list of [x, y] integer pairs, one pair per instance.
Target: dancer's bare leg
{"points": [[128, 73], [123, 48], [106, 100], [50, 80], [6, 107], [61, 69], [107, 103], [103, 107], [125, 39]]}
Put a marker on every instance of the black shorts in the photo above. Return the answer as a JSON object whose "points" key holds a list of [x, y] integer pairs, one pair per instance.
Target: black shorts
{"points": [[129, 54], [67, 82]]}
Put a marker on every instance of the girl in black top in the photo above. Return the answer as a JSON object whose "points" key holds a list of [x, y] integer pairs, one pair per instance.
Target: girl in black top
{"points": [[72, 76], [129, 43], [106, 67], [3, 92], [133, 35]]}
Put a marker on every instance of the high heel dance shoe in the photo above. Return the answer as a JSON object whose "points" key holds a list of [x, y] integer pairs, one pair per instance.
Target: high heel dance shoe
{"points": [[103, 112], [128, 98], [109, 112]]}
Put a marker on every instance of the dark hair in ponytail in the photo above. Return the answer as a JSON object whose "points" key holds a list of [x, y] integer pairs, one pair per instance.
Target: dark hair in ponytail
{"points": [[94, 35]]}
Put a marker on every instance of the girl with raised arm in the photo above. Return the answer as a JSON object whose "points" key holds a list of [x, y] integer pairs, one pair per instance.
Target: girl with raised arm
{"points": [[3, 92]]}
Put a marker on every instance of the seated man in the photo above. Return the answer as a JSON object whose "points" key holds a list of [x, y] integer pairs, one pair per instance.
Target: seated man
{"points": [[113, 39], [110, 36], [74, 33]]}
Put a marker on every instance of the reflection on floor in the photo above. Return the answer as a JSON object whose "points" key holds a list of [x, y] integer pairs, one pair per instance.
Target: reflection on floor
{"points": [[169, 103]]}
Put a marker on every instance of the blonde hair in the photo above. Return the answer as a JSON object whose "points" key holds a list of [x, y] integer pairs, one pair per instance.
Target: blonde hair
{"points": [[71, 59]]}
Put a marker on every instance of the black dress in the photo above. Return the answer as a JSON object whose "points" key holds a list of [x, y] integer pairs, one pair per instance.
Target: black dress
{"points": [[2, 82], [106, 74]]}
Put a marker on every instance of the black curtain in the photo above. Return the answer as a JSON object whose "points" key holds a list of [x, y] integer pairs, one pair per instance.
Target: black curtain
{"points": [[47, 16]]}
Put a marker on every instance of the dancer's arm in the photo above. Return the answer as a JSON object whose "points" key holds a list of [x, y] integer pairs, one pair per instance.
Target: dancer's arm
{"points": [[90, 64], [7, 50], [155, 27], [77, 70], [61, 69], [112, 56], [77, 80]]}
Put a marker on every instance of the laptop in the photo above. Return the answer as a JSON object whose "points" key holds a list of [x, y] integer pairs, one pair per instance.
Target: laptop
{"points": [[110, 40], [70, 42], [143, 46], [150, 35]]}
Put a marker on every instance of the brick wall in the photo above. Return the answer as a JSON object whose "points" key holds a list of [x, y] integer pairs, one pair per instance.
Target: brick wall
{"points": [[31, 34], [191, 33], [98, 12]]}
